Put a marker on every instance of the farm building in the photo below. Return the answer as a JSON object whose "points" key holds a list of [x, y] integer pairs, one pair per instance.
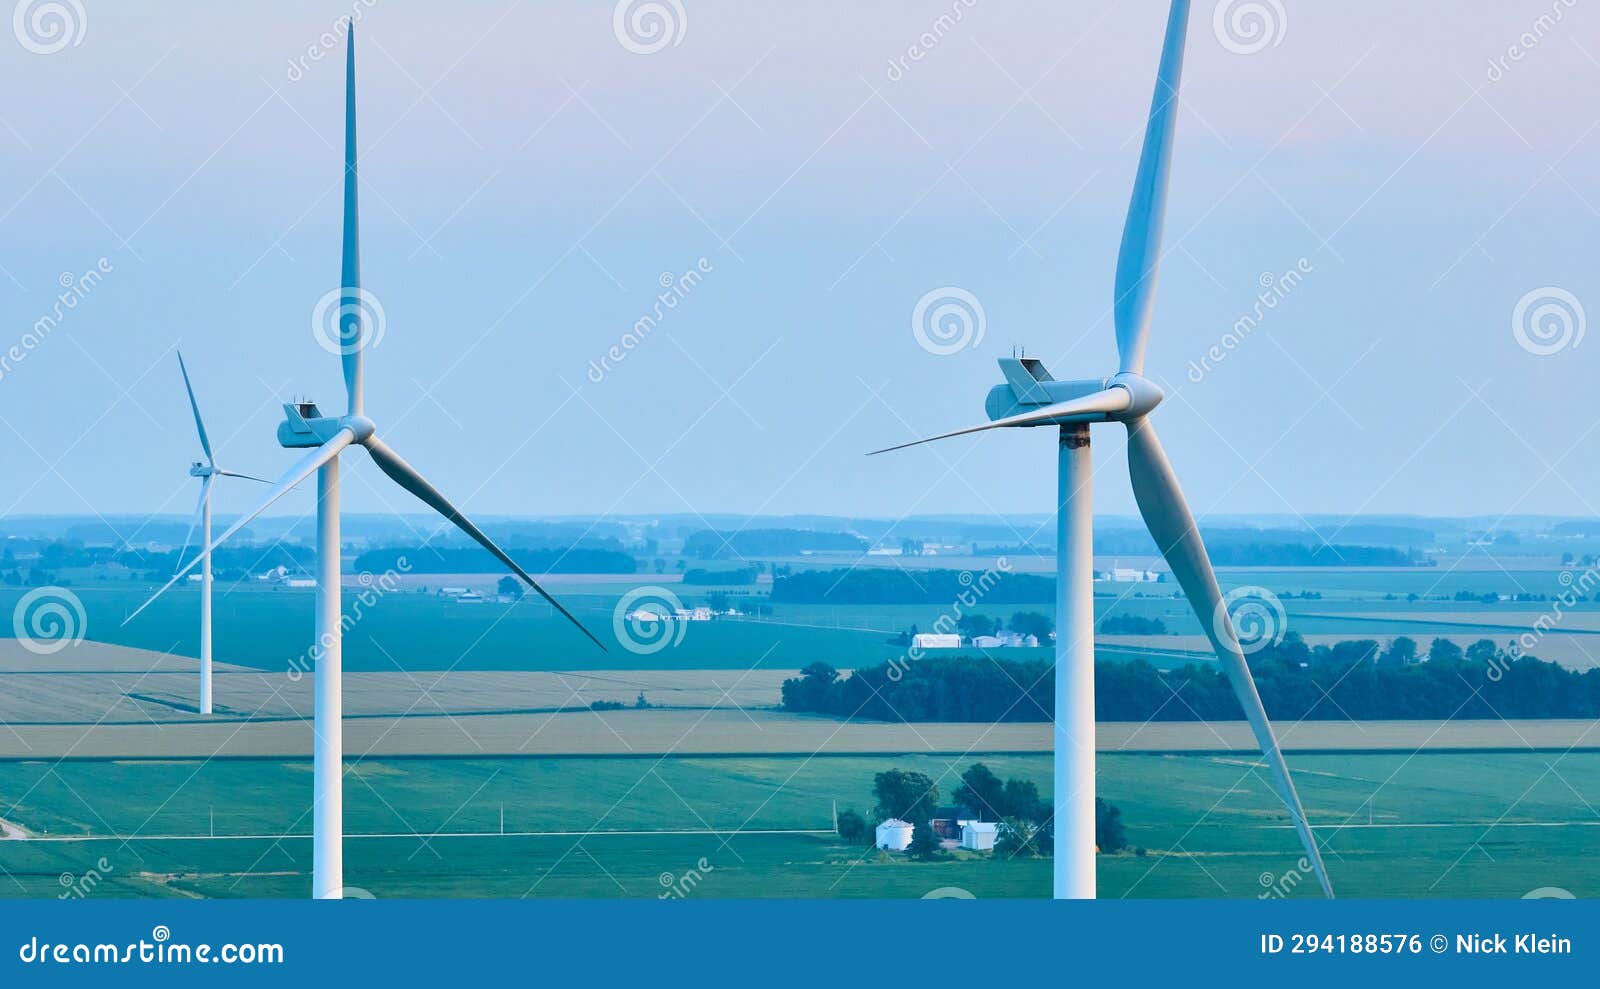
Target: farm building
{"points": [[894, 835], [933, 640], [947, 822], [978, 836]]}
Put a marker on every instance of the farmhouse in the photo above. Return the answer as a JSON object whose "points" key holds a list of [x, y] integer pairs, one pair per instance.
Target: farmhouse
{"points": [[978, 836], [894, 835]]}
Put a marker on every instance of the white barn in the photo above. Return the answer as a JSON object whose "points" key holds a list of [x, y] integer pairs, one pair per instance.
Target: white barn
{"points": [[935, 640], [978, 836], [894, 834]]}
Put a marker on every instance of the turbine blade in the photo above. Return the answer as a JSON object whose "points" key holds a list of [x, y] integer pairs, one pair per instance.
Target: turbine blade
{"points": [[1167, 515], [407, 477], [247, 477], [1140, 257], [1113, 399], [299, 472], [199, 506], [350, 299], [200, 427]]}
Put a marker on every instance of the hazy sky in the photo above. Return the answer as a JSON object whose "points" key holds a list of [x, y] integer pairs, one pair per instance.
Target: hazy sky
{"points": [[527, 180]]}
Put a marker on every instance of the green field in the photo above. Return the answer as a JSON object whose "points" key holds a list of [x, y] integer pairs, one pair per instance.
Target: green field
{"points": [[1430, 825], [270, 628]]}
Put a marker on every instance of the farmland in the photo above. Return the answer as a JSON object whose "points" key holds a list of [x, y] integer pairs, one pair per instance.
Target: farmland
{"points": [[1432, 824], [458, 713]]}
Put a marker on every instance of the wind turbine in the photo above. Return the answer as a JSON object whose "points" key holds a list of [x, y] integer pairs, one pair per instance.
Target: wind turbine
{"points": [[1031, 397], [305, 427], [206, 472]]}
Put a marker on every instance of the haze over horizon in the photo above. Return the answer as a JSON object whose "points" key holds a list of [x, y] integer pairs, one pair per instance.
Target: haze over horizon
{"points": [[527, 180]]}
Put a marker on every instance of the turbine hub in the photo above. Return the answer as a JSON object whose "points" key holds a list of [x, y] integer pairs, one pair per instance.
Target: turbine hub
{"points": [[1146, 394], [361, 426]]}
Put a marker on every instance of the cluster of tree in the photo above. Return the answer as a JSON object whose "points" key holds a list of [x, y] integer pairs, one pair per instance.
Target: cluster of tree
{"points": [[1355, 679], [1026, 820], [1132, 625], [701, 578], [874, 585], [708, 544], [448, 559]]}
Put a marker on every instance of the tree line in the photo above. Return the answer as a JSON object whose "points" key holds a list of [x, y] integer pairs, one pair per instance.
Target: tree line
{"points": [[1358, 679]]}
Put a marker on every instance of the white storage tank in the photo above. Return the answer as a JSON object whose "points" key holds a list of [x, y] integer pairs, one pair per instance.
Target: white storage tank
{"points": [[894, 834]]}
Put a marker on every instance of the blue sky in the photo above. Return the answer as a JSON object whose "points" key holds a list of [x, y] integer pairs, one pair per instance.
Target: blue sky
{"points": [[527, 180]]}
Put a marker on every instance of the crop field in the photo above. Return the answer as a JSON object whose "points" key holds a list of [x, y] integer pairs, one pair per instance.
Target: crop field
{"points": [[270, 628], [1427, 825]]}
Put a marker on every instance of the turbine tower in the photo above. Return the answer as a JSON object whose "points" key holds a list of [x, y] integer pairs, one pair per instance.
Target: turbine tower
{"points": [[305, 427], [1031, 397], [206, 471]]}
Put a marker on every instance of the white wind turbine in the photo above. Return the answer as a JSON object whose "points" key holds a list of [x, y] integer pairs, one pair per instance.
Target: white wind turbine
{"points": [[304, 427], [206, 471], [1031, 397]]}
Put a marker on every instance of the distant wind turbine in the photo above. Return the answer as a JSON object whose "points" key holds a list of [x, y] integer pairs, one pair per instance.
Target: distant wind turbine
{"points": [[206, 471], [1031, 397], [304, 427]]}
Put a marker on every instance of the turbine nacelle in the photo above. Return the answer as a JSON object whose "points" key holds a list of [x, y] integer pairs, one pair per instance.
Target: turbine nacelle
{"points": [[304, 426], [1029, 388], [199, 469]]}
